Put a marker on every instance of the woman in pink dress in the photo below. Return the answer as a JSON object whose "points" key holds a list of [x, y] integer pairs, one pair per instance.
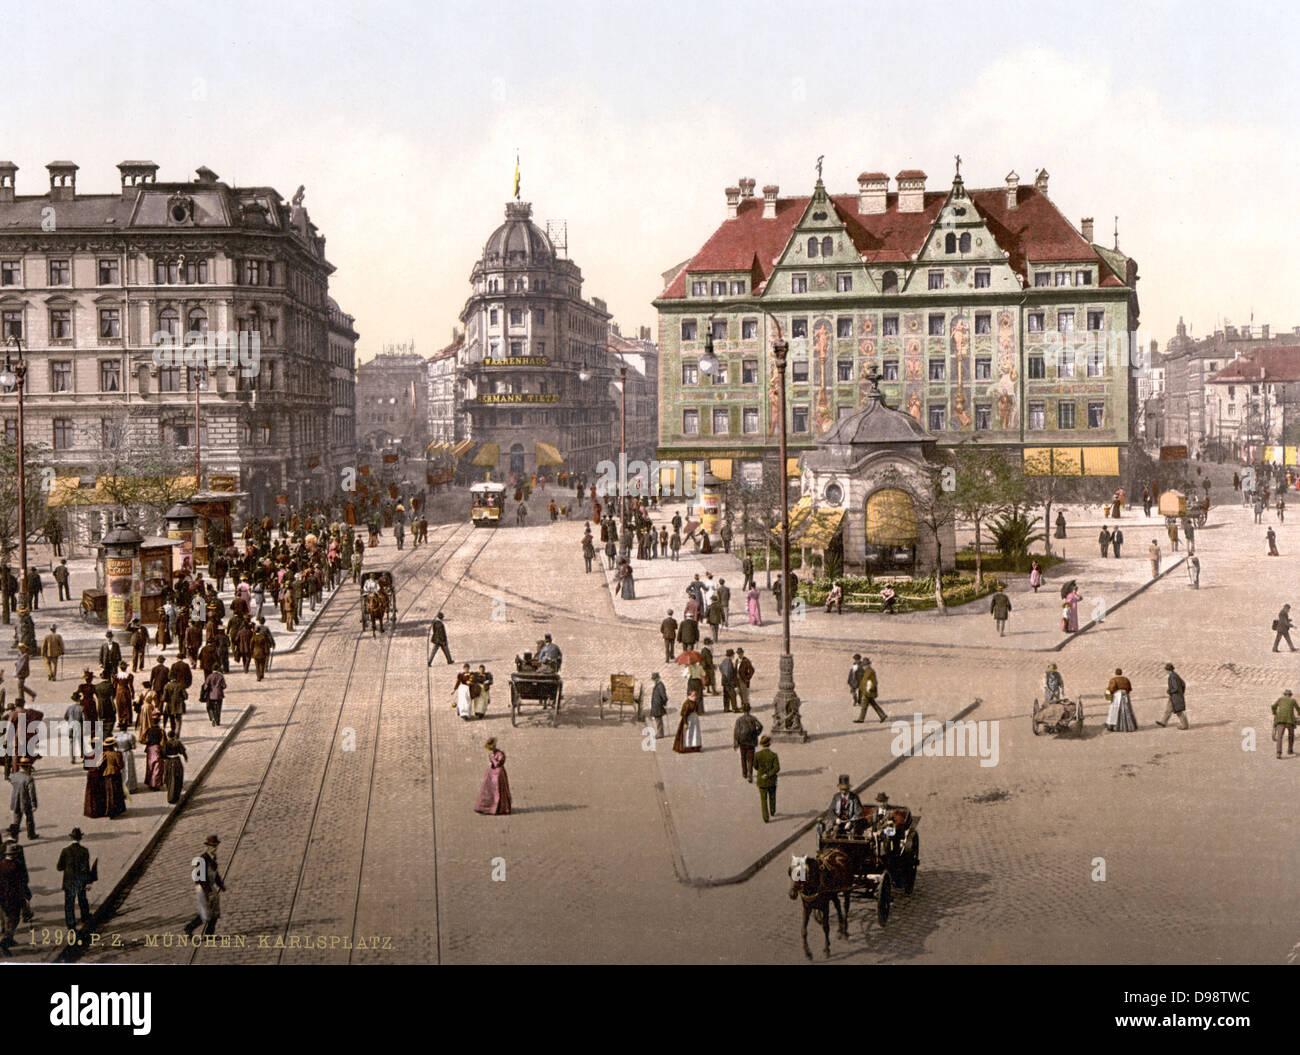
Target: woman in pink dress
{"points": [[751, 601], [1035, 575], [494, 796], [1072, 600]]}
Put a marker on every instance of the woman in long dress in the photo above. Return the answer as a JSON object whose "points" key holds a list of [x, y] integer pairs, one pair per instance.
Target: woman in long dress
{"points": [[173, 768], [1072, 600], [628, 588], [126, 741], [94, 805], [461, 690], [114, 791], [1035, 576], [1119, 716], [751, 602], [153, 755], [484, 681], [688, 737], [494, 795], [148, 713]]}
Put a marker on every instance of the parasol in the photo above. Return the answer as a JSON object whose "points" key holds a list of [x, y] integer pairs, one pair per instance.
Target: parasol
{"points": [[688, 657]]}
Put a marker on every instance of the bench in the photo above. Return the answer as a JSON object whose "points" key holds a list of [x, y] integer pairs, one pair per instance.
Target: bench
{"points": [[873, 602]]}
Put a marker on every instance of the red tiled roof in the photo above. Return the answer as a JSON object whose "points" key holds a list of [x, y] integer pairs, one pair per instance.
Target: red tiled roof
{"points": [[1035, 231], [873, 175], [911, 174], [1269, 365]]}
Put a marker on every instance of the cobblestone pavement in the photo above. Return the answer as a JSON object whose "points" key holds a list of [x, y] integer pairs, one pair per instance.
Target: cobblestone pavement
{"points": [[612, 848]]}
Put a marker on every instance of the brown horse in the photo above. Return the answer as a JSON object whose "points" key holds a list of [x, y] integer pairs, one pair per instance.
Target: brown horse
{"points": [[376, 608], [818, 882]]}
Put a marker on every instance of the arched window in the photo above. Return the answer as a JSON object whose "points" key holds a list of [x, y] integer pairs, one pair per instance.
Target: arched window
{"points": [[889, 282], [169, 322], [197, 323], [812, 247], [950, 243], [965, 243], [828, 246]]}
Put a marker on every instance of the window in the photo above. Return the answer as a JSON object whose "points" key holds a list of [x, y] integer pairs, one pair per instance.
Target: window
{"points": [[798, 283], [541, 348], [264, 434], [169, 378], [62, 434], [1038, 416], [938, 369], [843, 282], [1065, 366], [108, 273], [738, 288], [938, 416], [690, 374], [516, 316], [196, 272], [690, 422], [61, 376], [60, 272], [889, 282], [197, 375], [936, 278], [1096, 319], [492, 317], [964, 242], [936, 325], [12, 323], [844, 326], [689, 329], [60, 324], [1035, 322], [798, 327], [721, 421], [1037, 368], [1042, 278], [749, 372], [890, 370], [1063, 278], [110, 323], [828, 245], [983, 417], [983, 278], [1096, 362], [748, 329], [252, 273], [11, 431], [196, 324], [11, 273], [749, 421], [812, 247], [699, 289], [539, 316], [719, 329], [516, 417], [1083, 278], [1096, 415], [799, 370], [844, 370], [889, 327], [110, 375], [718, 289], [1065, 415], [983, 322], [516, 349], [799, 419], [949, 245], [1065, 321], [983, 369]]}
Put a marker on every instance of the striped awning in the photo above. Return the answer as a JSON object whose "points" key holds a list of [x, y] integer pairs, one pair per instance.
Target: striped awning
{"points": [[720, 467], [1100, 461], [487, 456], [891, 518], [1038, 461], [462, 448], [1067, 461], [547, 454], [435, 447]]}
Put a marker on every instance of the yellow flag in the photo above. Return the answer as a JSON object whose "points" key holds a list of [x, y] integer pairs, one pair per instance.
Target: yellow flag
{"points": [[516, 176]]}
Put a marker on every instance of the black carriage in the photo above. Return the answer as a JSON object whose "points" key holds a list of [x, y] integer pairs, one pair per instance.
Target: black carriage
{"points": [[384, 579], [535, 682], [884, 853]]}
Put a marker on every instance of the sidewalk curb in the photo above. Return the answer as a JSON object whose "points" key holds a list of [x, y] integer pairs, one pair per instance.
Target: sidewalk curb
{"points": [[751, 871], [71, 953], [1116, 607]]}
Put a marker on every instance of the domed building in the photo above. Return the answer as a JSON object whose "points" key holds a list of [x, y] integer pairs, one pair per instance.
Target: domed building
{"points": [[535, 389]]}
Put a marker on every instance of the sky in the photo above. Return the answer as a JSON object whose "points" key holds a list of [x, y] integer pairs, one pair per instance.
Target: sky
{"points": [[630, 119]]}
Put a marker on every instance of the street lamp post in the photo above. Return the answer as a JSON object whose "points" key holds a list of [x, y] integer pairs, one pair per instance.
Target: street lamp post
{"points": [[622, 447], [13, 376]]}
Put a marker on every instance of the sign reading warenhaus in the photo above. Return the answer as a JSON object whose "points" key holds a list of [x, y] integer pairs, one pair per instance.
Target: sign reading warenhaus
{"points": [[989, 317]]}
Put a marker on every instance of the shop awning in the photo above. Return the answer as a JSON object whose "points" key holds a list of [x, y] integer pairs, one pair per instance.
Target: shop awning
{"points": [[891, 518], [487, 457], [720, 467], [1067, 461], [792, 467], [547, 454], [1100, 461], [462, 448], [819, 529]]}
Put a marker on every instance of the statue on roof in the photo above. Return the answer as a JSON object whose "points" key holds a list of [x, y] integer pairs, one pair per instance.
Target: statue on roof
{"points": [[820, 158], [957, 174], [298, 196]]}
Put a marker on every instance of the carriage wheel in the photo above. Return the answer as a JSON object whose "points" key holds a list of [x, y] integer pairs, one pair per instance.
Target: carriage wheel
{"points": [[514, 705], [884, 899], [1078, 715], [640, 692], [555, 715], [602, 705], [1036, 732], [913, 862]]}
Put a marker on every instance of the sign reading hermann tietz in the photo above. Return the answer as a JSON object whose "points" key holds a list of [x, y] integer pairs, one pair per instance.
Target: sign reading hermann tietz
{"points": [[516, 397], [519, 360]]}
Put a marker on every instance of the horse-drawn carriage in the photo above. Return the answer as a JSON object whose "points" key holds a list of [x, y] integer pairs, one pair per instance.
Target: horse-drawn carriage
{"points": [[1057, 716], [536, 681], [378, 603], [871, 857]]}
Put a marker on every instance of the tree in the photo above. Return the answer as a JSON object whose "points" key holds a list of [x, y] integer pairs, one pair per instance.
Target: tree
{"points": [[141, 473], [984, 484], [37, 473], [934, 507]]}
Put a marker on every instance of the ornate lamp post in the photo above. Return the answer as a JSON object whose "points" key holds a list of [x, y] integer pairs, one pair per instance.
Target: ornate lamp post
{"points": [[13, 376]]}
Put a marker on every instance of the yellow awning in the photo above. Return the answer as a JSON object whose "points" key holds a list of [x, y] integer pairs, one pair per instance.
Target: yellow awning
{"points": [[1038, 461], [819, 529], [891, 518], [487, 457], [720, 467], [1100, 461], [668, 479], [547, 454], [462, 448], [1067, 461], [434, 446], [1289, 455], [791, 467]]}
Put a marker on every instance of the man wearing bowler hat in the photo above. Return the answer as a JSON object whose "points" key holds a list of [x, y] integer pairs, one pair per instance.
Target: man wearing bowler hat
{"points": [[74, 863], [766, 767], [207, 887]]}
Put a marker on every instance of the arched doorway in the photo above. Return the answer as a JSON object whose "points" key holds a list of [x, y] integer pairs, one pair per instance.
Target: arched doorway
{"points": [[517, 460], [891, 531]]}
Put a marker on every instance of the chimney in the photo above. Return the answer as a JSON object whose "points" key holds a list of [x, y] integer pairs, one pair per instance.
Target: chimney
{"points": [[1040, 182], [1085, 225], [873, 193], [135, 173], [63, 180], [205, 175], [645, 330], [769, 201], [1263, 331], [911, 190], [7, 170], [1013, 191], [747, 188], [733, 201]]}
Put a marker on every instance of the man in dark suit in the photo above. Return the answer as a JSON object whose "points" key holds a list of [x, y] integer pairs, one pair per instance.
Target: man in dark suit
{"points": [[727, 668], [668, 630], [438, 638], [110, 655], [658, 704], [688, 633], [1116, 540], [74, 863]]}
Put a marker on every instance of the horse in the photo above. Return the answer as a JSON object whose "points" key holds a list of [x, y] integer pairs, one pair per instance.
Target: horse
{"points": [[376, 607], [819, 881]]}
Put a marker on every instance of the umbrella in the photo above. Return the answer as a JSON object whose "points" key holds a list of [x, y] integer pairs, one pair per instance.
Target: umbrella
{"points": [[688, 657], [1067, 589]]}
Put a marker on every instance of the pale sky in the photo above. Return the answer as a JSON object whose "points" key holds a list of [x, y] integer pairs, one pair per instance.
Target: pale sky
{"points": [[402, 120]]}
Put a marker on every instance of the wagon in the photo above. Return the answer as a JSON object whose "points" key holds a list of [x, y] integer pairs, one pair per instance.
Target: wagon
{"points": [[535, 683], [624, 691], [884, 853], [94, 605], [1056, 716]]}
